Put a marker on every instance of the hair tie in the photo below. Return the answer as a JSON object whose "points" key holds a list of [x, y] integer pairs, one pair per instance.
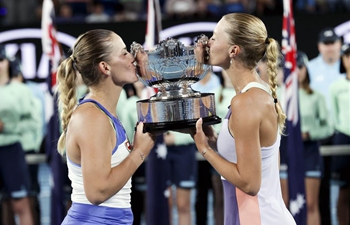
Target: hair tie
{"points": [[72, 58], [74, 62], [275, 100], [267, 41]]}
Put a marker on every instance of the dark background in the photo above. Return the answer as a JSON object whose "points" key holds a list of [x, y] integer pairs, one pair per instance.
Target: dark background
{"points": [[307, 27]]}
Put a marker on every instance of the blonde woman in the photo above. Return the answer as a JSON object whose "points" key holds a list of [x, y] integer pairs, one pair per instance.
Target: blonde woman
{"points": [[100, 159], [249, 139]]}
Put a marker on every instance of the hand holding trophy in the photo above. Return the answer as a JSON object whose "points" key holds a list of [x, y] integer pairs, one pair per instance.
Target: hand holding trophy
{"points": [[172, 68]]}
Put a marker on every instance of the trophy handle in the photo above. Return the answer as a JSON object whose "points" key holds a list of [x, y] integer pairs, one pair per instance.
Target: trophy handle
{"points": [[202, 54]]}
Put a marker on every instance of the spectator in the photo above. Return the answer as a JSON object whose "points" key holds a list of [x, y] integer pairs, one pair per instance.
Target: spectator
{"points": [[340, 99], [65, 14], [31, 140], [182, 161], [97, 14], [65, 11], [324, 70], [314, 127], [202, 10], [180, 8], [16, 117], [122, 14], [135, 6]]}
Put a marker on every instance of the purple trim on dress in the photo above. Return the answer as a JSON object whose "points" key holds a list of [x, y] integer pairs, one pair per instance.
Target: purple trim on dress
{"points": [[231, 216], [229, 112], [92, 214], [119, 129]]}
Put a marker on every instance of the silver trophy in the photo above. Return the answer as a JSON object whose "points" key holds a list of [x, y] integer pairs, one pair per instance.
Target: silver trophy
{"points": [[172, 68]]}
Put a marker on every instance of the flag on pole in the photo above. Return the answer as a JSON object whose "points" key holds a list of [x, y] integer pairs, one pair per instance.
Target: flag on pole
{"points": [[292, 141], [49, 41], [154, 24], [156, 166], [52, 49]]}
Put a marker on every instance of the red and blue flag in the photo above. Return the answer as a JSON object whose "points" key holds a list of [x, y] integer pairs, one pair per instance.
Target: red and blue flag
{"points": [[292, 143], [51, 48]]}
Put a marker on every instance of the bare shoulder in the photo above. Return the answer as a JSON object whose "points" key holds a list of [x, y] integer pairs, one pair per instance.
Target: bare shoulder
{"points": [[245, 117], [88, 112], [88, 119], [246, 104], [254, 114]]}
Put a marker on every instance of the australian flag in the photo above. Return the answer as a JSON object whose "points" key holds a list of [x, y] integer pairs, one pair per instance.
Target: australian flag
{"points": [[156, 166], [292, 142], [52, 50]]}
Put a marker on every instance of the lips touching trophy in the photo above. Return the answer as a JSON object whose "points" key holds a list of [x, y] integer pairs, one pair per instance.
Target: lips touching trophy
{"points": [[172, 68]]}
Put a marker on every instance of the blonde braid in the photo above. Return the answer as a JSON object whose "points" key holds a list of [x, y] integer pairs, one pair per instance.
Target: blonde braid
{"points": [[273, 55], [67, 97]]}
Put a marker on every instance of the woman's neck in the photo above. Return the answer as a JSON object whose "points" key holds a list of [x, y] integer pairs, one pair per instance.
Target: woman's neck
{"points": [[4, 79], [240, 77], [107, 96], [303, 85], [206, 78]]}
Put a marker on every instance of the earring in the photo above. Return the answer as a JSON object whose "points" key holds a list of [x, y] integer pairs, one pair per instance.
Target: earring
{"points": [[230, 61]]}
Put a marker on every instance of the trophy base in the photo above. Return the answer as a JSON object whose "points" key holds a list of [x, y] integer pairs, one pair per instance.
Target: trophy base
{"points": [[177, 113], [179, 125]]}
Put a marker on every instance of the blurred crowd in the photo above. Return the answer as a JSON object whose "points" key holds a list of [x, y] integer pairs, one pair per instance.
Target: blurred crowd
{"points": [[21, 12]]}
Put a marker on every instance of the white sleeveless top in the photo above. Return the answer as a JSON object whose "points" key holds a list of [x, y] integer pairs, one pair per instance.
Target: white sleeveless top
{"points": [[267, 207], [122, 198]]}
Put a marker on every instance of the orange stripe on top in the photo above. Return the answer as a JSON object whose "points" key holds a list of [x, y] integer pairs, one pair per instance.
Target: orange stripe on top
{"points": [[248, 208]]}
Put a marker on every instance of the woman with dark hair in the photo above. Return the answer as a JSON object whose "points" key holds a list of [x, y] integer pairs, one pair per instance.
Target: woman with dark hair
{"points": [[16, 121], [99, 156], [340, 105], [314, 127]]}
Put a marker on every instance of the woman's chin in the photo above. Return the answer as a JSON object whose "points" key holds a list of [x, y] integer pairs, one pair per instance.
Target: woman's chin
{"points": [[136, 78]]}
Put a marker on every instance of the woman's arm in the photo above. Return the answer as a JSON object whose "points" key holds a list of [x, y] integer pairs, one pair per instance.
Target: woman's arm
{"points": [[323, 128], [244, 126], [95, 139]]}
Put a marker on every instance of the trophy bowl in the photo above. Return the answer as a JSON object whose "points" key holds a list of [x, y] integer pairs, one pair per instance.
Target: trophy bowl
{"points": [[171, 68]]}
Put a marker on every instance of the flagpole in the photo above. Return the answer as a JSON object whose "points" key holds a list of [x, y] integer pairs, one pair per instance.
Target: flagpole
{"points": [[50, 45]]}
